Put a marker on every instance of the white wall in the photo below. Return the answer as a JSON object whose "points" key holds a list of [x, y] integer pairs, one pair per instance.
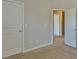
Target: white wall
{"points": [[63, 3], [37, 31], [37, 18], [57, 25]]}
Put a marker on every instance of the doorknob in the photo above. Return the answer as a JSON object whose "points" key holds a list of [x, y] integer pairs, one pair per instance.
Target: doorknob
{"points": [[74, 29], [20, 31]]}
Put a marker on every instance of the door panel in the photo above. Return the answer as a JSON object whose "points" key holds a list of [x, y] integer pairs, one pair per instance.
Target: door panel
{"points": [[70, 27], [12, 22]]}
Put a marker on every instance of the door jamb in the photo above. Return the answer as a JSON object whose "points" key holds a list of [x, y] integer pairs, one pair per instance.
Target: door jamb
{"points": [[52, 23]]}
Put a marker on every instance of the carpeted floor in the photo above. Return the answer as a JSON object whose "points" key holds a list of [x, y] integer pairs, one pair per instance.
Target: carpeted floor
{"points": [[56, 51]]}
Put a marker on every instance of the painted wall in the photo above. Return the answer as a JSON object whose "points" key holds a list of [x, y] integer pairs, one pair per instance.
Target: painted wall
{"points": [[63, 23], [37, 20], [37, 25], [57, 25]]}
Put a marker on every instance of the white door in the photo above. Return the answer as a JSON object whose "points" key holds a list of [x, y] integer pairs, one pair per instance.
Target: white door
{"points": [[70, 27], [12, 26], [56, 25]]}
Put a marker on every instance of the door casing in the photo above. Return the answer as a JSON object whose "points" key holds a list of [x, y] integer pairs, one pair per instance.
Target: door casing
{"points": [[52, 24]]}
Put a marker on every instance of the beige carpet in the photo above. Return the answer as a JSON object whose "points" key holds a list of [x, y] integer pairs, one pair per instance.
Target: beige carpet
{"points": [[56, 51]]}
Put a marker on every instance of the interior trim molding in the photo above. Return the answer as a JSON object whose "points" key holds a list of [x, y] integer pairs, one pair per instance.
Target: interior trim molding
{"points": [[28, 50], [10, 52]]}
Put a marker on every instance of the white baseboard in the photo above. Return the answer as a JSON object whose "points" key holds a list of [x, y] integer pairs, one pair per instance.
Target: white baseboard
{"points": [[71, 45], [10, 52], [36, 47]]}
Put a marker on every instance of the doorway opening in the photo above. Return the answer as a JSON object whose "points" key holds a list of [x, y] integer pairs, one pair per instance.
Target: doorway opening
{"points": [[58, 27]]}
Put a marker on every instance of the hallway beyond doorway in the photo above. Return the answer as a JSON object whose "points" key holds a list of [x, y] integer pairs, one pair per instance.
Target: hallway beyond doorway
{"points": [[58, 40]]}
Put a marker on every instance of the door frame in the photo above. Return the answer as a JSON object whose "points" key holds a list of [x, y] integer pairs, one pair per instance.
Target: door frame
{"points": [[52, 23], [9, 53]]}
